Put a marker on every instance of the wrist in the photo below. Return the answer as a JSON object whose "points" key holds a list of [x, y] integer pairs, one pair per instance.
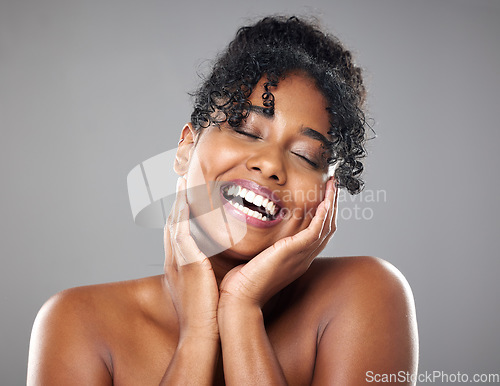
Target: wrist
{"points": [[197, 334], [229, 300], [233, 312]]}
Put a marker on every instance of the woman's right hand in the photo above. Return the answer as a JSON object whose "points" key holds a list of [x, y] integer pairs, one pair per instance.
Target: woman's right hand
{"points": [[188, 274]]}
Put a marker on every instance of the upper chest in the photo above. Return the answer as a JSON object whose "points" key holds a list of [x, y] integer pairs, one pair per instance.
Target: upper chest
{"points": [[142, 351]]}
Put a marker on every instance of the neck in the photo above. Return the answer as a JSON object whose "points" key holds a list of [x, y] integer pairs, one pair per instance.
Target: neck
{"points": [[224, 260], [222, 264]]}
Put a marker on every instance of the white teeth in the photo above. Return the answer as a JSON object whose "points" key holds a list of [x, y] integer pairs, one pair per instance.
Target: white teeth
{"points": [[250, 196], [236, 205], [248, 212], [253, 198]]}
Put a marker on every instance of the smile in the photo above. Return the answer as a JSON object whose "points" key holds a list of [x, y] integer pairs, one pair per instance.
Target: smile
{"points": [[251, 202]]}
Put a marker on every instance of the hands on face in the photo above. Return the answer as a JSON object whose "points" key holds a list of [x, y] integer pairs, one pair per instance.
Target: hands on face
{"points": [[280, 264], [191, 280], [188, 273]]}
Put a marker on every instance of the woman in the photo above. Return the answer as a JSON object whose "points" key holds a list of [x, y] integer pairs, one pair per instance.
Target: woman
{"points": [[242, 299]]}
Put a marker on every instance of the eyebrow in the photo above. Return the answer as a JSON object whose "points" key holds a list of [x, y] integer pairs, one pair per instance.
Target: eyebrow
{"points": [[311, 133], [307, 131]]}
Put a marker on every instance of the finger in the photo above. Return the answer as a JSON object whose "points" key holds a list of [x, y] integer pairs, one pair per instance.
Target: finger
{"points": [[327, 201], [180, 214], [170, 226], [333, 222], [315, 232], [323, 244], [186, 250], [180, 234], [173, 215], [331, 198], [167, 246], [307, 238], [331, 194], [167, 231], [336, 205], [178, 197], [317, 222]]}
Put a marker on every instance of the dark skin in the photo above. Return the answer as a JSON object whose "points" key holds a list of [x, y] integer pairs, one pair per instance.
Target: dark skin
{"points": [[265, 310]]}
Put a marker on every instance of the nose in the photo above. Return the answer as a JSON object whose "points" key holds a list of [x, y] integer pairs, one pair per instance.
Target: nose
{"points": [[269, 162]]}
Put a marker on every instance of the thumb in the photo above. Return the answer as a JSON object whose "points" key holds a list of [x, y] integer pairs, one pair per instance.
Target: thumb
{"points": [[167, 246]]}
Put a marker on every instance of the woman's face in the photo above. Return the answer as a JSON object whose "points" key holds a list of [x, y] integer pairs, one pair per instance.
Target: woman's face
{"points": [[280, 159]]}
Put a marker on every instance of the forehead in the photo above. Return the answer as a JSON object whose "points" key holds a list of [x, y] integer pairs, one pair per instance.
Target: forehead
{"points": [[297, 100]]}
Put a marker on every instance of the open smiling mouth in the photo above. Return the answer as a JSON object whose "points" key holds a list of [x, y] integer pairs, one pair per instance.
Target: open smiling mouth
{"points": [[250, 203]]}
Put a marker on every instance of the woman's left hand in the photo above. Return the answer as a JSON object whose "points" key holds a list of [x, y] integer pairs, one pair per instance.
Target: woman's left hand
{"points": [[255, 282]]}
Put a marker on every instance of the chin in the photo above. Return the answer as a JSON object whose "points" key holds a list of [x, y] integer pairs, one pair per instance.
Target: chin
{"points": [[218, 234], [214, 233], [245, 250]]}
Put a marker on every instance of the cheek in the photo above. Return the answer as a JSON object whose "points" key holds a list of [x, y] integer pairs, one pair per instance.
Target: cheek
{"points": [[207, 167], [198, 198], [305, 199]]}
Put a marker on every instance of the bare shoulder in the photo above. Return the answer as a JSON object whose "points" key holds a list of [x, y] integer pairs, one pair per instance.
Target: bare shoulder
{"points": [[72, 333], [367, 319], [358, 277]]}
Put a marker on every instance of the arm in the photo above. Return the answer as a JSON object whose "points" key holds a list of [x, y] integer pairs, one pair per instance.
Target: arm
{"points": [[249, 358], [193, 363], [190, 282], [195, 358], [373, 333], [64, 349]]}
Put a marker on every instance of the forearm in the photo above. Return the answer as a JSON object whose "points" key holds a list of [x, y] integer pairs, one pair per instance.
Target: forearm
{"points": [[193, 362], [248, 355]]}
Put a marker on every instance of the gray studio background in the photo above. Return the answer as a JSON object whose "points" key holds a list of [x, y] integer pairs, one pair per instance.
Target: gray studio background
{"points": [[89, 89]]}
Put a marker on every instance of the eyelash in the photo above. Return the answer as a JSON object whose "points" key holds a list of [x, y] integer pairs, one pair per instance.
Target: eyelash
{"points": [[247, 134], [312, 163], [250, 135]]}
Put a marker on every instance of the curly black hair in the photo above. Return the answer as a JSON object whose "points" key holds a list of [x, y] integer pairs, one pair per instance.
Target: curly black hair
{"points": [[274, 47]]}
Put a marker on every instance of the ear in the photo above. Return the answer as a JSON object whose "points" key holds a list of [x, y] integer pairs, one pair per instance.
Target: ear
{"points": [[186, 144]]}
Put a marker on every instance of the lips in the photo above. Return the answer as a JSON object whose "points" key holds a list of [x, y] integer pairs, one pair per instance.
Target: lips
{"points": [[252, 202]]}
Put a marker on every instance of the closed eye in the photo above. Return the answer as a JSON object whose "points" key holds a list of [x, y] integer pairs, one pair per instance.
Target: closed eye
{"points": [[246, 134], [309, 161]]}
